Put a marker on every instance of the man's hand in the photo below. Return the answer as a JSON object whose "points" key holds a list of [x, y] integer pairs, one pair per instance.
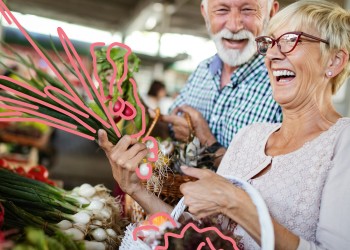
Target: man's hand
{"points": [[182, 128], [182, 131], [124, 158], [200, 125]]}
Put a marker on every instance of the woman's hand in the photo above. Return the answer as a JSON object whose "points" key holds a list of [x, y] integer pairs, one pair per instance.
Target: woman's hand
{"points": [[213, 194], [124, 158]]}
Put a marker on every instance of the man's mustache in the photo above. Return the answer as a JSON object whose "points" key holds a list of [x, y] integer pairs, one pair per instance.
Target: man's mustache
{"points": [[241, 35]]}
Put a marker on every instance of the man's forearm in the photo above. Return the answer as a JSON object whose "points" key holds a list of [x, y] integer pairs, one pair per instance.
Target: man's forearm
{"points": [[216, 150], [219, 154]]}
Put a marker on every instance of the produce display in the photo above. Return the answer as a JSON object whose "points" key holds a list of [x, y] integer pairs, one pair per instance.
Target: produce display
{"points": [[38, 172], [87, 217]]}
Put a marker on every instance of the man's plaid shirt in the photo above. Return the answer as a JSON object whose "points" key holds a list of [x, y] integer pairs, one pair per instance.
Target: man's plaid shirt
{"points": [[245, 100]]}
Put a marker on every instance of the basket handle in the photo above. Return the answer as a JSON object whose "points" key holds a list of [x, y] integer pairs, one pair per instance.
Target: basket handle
{"points": [[266, 227], [192, 132], [178, 210]]}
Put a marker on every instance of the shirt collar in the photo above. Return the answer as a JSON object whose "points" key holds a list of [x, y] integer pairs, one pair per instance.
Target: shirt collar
{"points": [[215, 64]]}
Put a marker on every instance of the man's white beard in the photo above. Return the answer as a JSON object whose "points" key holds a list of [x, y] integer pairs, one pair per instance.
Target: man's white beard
{"points": [[234, 57]]}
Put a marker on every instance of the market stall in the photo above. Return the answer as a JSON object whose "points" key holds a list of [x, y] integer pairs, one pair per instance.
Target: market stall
{"points": [[88, 217], [33, 207]]}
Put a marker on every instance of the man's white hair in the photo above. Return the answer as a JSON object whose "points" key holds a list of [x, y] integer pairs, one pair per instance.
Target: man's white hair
{"points": [[205, 5]]}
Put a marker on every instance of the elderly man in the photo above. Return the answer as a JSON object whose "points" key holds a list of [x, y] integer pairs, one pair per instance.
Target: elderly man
{"points": [[231, 89]]}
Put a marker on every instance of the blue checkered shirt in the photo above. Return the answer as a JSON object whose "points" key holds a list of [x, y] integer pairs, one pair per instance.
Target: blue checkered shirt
{"points": [[245, 100]]}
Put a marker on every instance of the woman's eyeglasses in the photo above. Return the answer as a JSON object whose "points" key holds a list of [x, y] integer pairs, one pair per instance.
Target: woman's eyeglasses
{"points": [[285, 43]]}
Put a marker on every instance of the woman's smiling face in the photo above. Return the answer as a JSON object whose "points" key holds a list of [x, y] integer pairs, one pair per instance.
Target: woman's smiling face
{"points": [[297, 77]]}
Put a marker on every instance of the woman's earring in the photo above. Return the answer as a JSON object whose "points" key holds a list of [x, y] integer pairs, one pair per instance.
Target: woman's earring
{"points": [[330, 73]]}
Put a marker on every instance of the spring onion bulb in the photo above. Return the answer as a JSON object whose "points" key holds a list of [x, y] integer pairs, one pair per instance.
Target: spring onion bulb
{"points": [[82, 200], [75, 190], [64, 224], [111, 233], [99, 234], [96, 223], [81, 217], [86, 190], [103, 214], [150, 155], [81, 227], [95, 205], [94, 245], [144, 169], [75, 233], [149, 144], [92, 226], [98, 198]]}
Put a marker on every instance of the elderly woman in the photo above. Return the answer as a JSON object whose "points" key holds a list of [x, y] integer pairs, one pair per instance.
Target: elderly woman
{"points": [[300, 167]]}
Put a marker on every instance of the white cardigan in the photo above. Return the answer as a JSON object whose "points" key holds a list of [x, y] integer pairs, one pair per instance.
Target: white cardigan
{"points": [[307, 191]]}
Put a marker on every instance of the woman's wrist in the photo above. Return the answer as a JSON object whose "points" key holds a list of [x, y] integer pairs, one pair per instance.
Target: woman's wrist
{"points": [[227, 204], [149, 202], [135, 189], [241, 208]]}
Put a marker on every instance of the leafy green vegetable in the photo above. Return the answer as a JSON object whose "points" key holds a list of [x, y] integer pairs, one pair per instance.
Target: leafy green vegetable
{"points": [[41, 80], [36, 239]]}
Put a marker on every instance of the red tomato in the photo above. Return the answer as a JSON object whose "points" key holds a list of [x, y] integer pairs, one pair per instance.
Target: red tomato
{"points": [[39, 172], [50, 182], [4, 163], [30, 176], [20, 170]]}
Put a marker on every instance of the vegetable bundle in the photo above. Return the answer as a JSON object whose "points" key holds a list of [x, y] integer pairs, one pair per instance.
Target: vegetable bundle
{"points": [[55, 101], [88, 214]]}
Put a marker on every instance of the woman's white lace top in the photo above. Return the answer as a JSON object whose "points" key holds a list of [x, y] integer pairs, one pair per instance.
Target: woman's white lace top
{"points": [[307, 191]]}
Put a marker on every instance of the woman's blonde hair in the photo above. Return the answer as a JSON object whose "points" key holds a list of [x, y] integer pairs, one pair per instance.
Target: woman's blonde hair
{"points": [[330, 20]]}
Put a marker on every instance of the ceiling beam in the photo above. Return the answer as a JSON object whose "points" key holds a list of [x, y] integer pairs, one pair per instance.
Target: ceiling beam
{"points": [[103, 17], [142, 11]]}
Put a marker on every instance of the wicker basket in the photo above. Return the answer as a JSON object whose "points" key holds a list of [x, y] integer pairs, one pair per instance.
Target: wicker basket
{"points": [[168, 191], [166, 187], [266, 227]]}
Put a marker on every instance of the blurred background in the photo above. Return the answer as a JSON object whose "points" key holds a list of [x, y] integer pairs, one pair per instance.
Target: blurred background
{"points": [[168, 36]]}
